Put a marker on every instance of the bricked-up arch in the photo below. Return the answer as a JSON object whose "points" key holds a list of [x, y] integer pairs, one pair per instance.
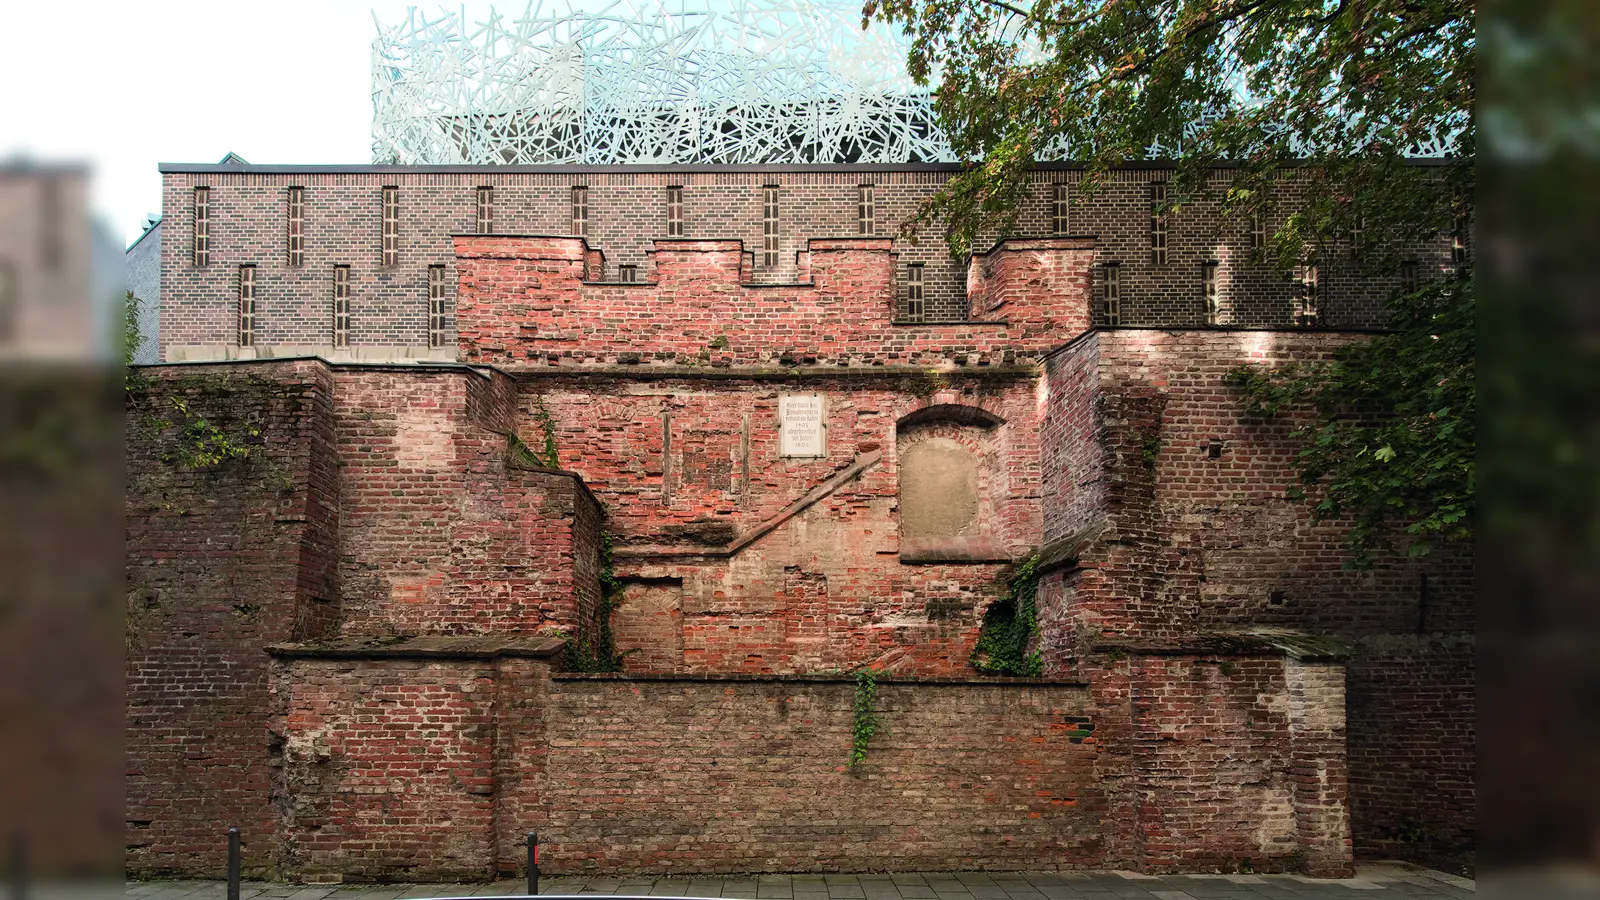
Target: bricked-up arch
{"points": [[950, 489]]}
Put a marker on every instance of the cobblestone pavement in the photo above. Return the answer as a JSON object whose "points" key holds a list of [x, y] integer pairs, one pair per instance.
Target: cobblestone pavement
{"points": [[1383, 881]]}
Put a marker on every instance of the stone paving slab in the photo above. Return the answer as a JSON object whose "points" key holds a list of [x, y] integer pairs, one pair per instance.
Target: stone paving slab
{"points": [[1381, 881]]}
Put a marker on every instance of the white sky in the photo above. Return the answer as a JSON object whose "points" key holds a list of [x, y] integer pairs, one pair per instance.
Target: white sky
{"points": [[127, 84]]}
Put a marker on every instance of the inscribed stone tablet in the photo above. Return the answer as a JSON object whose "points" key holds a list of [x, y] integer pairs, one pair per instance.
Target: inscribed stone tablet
{"points": [[801, 431]]}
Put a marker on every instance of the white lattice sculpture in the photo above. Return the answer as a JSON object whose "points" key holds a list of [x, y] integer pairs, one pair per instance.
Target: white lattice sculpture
{"points": [[741, 81]]}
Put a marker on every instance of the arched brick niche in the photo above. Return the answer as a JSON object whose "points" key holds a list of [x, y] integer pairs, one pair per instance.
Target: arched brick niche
{"points": [[950, 485]]}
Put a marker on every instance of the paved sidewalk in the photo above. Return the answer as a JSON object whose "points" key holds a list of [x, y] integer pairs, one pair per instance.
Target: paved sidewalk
{"points": [[1384, 881]]}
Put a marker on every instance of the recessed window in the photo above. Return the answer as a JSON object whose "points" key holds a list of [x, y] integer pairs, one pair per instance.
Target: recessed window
{"points": [[580, 211], [1459, 240], [436, 302], [1113, 292], [675, 211], [341, 306], [1358, 230], [916, 304], [769, 225], [485, 206], [866, 210], [1158, 223], [1058, 208], [1208, 291], [297, 227], [1310, 301], [628, 273], [391, 226], [202, 226], [247, 306], [1408, 275], [1258, 232]]}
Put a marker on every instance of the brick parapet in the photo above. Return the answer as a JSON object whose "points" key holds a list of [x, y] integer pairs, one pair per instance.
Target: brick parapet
{"points": [[526, 301]]}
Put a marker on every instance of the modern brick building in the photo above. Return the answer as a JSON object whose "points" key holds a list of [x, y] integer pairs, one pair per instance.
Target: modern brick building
{"points": [[772, 444]]}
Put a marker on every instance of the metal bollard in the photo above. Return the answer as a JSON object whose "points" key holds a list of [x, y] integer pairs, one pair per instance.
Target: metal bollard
{"points": [[533, 863], [233, 863]]}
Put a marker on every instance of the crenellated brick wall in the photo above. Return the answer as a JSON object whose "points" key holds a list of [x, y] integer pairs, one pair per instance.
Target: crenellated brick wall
{"points": [[526, 301]]}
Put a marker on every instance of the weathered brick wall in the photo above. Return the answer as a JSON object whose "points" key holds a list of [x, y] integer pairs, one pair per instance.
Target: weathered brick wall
{"points": [[439, 534], [1228, 760], [389, 305], [524, 301], [222, 560], [719, 776], [1194, 543], [388, 768], [689, 468], [1413, 747]]}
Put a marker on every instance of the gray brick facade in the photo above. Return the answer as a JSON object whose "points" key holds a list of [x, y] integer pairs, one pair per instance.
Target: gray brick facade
{"points": [[627, 209]]}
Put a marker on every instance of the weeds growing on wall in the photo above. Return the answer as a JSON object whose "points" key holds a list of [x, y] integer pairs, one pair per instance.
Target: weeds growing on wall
{"points": [[1009, 627], [547, 425], [601, 654], [865, 724]]}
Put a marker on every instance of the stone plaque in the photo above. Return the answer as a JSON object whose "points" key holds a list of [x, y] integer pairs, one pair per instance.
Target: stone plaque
{"points": [[801, 430]]}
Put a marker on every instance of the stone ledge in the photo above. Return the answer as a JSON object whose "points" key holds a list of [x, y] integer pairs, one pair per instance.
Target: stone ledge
{"points": [[933, 551], [818, 678], [763, 373], [420, 647], [1309, 647]]}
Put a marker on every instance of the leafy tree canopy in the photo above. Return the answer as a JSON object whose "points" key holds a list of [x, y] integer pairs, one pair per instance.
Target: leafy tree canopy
{"points": [[1341, 95], [1344, 91]]}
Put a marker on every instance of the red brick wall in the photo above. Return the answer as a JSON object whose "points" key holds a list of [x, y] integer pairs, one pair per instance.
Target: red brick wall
{"points": [[221, 561], [438, 534], [523, 301], [1192, 543], [825, 589], [1413, 747], [388, 769], [959, 776], [1223, 761]]}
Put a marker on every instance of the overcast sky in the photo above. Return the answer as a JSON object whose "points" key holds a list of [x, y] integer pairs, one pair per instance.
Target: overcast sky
{"points": [[128, 84]]}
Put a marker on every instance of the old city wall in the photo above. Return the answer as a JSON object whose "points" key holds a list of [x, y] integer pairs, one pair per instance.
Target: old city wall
{"points": [[735, 558], [666, 396], [1194, 535], [452, 574], [297, 503], [435, 767], [222, 559], [440, 532]]}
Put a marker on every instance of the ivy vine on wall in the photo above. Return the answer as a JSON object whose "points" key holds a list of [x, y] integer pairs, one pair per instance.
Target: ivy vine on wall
{"points": [[1010, 626]]}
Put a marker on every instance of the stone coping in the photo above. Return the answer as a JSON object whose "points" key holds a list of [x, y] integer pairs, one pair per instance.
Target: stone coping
{"points": [[1308, 647], [441, 646], [766, 373], [819, 678]]}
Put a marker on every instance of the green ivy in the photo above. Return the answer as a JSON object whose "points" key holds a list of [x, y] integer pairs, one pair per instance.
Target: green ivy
{"points": [[1387, 439], [866, 715], [1009, 625], [601, 655], [547, 424]]}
